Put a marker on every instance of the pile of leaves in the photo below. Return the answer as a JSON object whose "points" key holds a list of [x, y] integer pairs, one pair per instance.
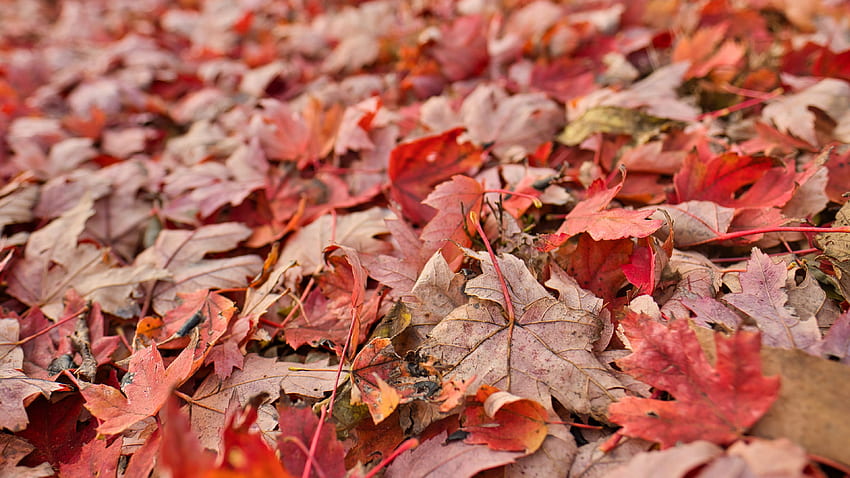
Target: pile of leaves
{"points": [[311, 238]]}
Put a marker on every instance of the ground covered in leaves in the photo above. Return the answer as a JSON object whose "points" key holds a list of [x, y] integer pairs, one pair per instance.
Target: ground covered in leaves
{"points": [[424, 238]]}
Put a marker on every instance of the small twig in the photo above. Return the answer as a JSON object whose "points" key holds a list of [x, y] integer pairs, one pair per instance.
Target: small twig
{"points": [[81, 341]]}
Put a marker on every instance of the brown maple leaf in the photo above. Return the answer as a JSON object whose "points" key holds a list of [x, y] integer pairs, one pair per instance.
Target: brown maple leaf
{"points": [[545, 352], [15, 386], [54, 261], [182, 254]]}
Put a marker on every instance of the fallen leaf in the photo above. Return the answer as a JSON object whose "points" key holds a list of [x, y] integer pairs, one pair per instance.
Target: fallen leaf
{"points": [[12, 451], [15, 386], [512, 125], [53, 262], [764, 300], [297, 426], [791, 113], [438, 457], [451, 227], [147, 388], [721, 178], [178, 442], [96, 458], [503, 421], [591, 216], [544, 353], [417, 166], [613, 120], [597, 265], [245, 452], [182, 253], [383, 380], [696, 222], [258, 375], [711, 397], [437, 292], [677, 462]]}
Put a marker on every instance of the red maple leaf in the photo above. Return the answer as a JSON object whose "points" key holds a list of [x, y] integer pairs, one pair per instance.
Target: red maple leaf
{"points": [[591, 216], [504, 421], [722, 178], [419, 165], [714, 403]]}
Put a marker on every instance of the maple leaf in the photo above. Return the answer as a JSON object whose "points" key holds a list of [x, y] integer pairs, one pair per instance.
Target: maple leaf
{"points": [[206, 311], [254, 458], [721, 178], [450, 227], [177, 441], [546, 351], [56, 431], [53, 262], [714, 403], [764, 298], [205, 187], [440, 457], [15, 386], [147, 388], [96, 458], [514, 125], [182, 254], [341, 297], [791, 113], [706, 52], [297, 426], [258, 375], [357, 230], [14, 449], [697, 222], [503, 421], [417, 166], [435, 294], [383, 380], [597, 265], [590, 216]]}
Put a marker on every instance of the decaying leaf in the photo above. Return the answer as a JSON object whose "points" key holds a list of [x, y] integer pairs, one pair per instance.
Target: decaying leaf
{"points": [[764, 299], [545, 352], [614, 120]]}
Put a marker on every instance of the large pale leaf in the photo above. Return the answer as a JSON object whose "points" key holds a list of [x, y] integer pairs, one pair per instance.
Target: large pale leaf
{"points": [[545, 352]]}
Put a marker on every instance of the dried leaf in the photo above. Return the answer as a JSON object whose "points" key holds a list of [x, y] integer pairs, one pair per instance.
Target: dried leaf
{"points": [[545, 352], [764, 299], [438, 457], [15, 386], [503, 421], [714, 403]]}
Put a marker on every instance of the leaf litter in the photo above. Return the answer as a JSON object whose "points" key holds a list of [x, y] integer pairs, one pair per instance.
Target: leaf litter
{"points": [[424, 239]]}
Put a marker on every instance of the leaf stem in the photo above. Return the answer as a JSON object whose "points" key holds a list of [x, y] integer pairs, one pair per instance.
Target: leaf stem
{"points": [[744, 104], [407, 445], [800, 252], [509, 305], [51, 327], [765, 230]]}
